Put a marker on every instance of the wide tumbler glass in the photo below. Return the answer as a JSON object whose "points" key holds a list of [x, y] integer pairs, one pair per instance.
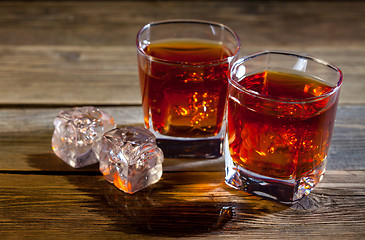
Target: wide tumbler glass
{"points": [[183, 68], [280, 118]]}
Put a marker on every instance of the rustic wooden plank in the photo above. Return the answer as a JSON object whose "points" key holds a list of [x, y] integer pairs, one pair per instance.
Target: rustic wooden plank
{"points": [[74, 75], [22, 121], [67, 53], [25, 137], [196, 205], [82, 53], [25, 141], [68, 75], [348, 141], [268, 23]]}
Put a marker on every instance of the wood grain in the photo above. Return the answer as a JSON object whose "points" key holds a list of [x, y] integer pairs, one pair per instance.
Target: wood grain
{"points": [[25, 141], [68, 76], [197, 205], [83, 53], [63, 75], [263, 23], [59, 54]]}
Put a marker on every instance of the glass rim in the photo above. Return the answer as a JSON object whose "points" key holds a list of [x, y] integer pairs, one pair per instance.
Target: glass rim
{"points": [[187, 21], [291, 100]]}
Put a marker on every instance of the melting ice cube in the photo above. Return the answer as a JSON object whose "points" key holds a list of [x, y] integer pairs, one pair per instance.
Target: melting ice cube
{"points": [[130, 158], [76, 131]]}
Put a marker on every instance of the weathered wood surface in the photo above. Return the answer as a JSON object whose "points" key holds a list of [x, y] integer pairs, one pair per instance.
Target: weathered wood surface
{"points": [[58, 54], [264, 23], [25, 140], [67, 53], [197, 205], [78, 75]]}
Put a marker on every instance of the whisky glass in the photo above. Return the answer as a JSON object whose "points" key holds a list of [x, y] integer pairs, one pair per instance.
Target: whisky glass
{"points": [[183, 71], [280, 118]]}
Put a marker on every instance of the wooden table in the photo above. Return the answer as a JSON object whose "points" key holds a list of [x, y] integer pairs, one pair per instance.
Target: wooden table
{"points": [[55, 55]]}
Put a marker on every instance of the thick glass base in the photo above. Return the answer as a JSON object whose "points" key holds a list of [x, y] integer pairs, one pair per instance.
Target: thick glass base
{"points": [[190, 148], [209, 148], [284, 191]]}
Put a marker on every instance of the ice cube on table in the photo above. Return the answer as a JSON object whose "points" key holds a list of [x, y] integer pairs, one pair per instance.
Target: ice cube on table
{"points": [[76, 131], [130, 158]]}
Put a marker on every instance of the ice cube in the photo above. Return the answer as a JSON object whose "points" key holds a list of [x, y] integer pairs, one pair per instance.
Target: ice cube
{"points": [[130, 158], [76, 130]]}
